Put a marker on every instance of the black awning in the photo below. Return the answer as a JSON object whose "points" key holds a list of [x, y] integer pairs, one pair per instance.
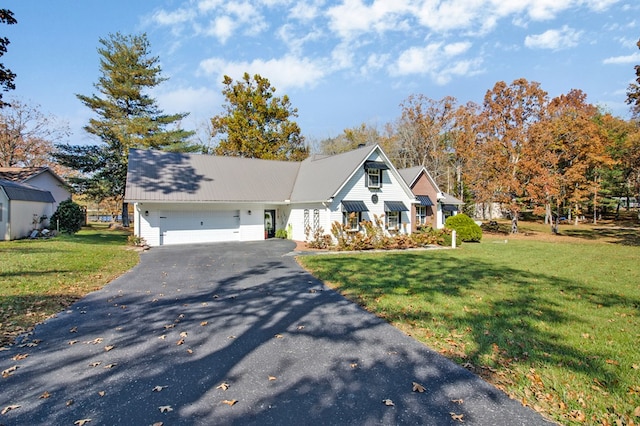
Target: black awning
{"points": [[375, 165], [354, 206], [424, 200], [395, 206], [449, 207]]}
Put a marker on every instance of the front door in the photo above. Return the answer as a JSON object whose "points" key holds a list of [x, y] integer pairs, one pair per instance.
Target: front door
{"points": [[269, 223]]}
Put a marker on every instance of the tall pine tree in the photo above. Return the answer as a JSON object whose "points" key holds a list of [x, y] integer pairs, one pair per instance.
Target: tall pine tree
{"points": [[257, 124], [127, 117]]}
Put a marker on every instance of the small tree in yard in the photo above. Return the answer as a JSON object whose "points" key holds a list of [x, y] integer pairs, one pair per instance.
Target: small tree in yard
{"points": [[69, 217], [465, 227]]}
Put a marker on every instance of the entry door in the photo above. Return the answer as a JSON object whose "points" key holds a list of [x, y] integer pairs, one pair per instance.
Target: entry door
{"points": [[270, 223]]}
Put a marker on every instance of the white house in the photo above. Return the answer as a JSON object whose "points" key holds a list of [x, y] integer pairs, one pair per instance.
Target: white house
{"points": [[190, 198], [39, 177]]}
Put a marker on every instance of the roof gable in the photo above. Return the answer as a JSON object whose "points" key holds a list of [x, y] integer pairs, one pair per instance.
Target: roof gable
{"points": [[25, 174], [411, 176]]}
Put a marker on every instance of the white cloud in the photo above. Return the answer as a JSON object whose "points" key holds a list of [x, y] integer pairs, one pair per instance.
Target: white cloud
{"points": [[352, 17], [304, 11], [563, 38], [284, 73], [436, 60], [176, 17], [628, 59], [222, 28]]}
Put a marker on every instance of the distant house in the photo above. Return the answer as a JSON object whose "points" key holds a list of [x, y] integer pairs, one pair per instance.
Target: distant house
{"points": [[191, 198], [39, 177], [23, 208], [434, 206]]}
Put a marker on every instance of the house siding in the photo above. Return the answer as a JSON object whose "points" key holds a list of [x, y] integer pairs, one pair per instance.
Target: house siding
{"points": [[21, 216], [422, 186], [47, 182], [356, 189], [296, 220]]}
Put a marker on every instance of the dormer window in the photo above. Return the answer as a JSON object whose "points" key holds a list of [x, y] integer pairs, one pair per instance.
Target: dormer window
{"points": [[373, 171], [374, 178]]}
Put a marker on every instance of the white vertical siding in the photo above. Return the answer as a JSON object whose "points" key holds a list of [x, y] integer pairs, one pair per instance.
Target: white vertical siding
{"points": [[21, 216]]}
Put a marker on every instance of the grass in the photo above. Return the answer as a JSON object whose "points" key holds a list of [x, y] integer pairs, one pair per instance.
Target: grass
{"points": [[39, 278], [551, 320]]}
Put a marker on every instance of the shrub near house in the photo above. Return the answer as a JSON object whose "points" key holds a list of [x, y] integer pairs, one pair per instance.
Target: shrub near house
{"points": [[465, 227]]}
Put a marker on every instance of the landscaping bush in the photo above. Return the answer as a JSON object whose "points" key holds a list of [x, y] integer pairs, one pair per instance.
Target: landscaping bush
{"points": [[465, 227], [69, 217], [281, 233]]}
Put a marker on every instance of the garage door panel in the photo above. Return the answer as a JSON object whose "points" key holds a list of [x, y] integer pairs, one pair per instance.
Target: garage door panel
{"points": [[199, 226]]}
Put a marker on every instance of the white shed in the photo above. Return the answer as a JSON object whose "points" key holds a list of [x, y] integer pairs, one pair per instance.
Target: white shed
{"points": [[23, 208]]}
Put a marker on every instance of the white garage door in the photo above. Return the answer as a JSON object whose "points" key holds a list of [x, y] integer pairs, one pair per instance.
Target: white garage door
{"points": [[188, 227]]}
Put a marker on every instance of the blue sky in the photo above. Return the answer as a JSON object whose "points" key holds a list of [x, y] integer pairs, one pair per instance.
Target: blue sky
{"points": [[342, 63]]}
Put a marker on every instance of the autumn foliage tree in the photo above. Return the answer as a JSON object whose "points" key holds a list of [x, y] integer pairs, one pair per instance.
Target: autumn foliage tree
{"points": [[256, 123], [6, 76], [27, 135], [509, 111], [633, 92]]}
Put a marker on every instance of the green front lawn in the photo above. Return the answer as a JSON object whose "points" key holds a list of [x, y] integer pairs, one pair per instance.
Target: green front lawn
{"points": [[554, 323], [41, 277]]}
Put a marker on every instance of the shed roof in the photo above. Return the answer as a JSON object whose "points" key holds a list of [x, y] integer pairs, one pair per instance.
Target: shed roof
{"points": [[24, 174], [24, 192]]}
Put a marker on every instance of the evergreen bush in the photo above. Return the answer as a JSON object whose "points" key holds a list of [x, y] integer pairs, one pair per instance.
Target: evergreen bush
{"points": [[69, 217], [466, 229]]}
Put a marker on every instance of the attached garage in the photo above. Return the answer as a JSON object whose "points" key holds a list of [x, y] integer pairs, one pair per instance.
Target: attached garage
{"points": [[185, 227]]}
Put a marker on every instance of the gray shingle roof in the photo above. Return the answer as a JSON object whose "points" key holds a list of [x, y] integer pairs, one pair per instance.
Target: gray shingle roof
{"points": [[24, 192], [166, 176], [320, 177]]}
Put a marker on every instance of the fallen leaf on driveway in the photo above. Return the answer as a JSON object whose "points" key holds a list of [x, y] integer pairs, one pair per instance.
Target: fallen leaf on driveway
{"points": [[168, 326], [73, 330], [278, 336], [69, 403], [458, 417], [108, 348], [95, 341], [45, 395], [231, 337], [301, 327], [158, 424], [110, 365], [6, 373], [81, 422], [354, 365], [183, 334], [457, 401], [272, 378], [190, 351], [95, 364], [165, 408], [229, 402], [20, 357], [417, 387], [203, 323], [102, 393], [72, 342], [223, 386], [8, 408], [158, 388], [388, 402], [164, 336], [180, 342]]}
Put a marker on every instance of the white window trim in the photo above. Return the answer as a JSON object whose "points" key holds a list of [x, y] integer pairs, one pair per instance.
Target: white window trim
{"points": [[345, 220], [421, 219], [378, 174], [398, 220]]}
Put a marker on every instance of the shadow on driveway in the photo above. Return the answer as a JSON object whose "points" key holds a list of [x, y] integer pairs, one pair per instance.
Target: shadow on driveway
{"points": [[190, 318]]}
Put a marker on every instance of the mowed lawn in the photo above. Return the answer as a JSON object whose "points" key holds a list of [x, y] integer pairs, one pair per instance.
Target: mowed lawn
{"points": [[39, 278], [553, 321]]}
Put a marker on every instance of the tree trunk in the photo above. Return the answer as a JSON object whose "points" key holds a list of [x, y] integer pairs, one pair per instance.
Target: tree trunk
{"points": [[548, 218], [514, 222], [125, 214]]}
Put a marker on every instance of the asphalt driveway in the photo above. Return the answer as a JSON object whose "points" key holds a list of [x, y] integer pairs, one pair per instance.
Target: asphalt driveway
{"points": [[192, 329]]}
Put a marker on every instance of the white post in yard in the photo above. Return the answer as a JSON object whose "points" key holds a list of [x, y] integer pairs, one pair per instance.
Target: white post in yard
{"points": [[453, 238]]}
